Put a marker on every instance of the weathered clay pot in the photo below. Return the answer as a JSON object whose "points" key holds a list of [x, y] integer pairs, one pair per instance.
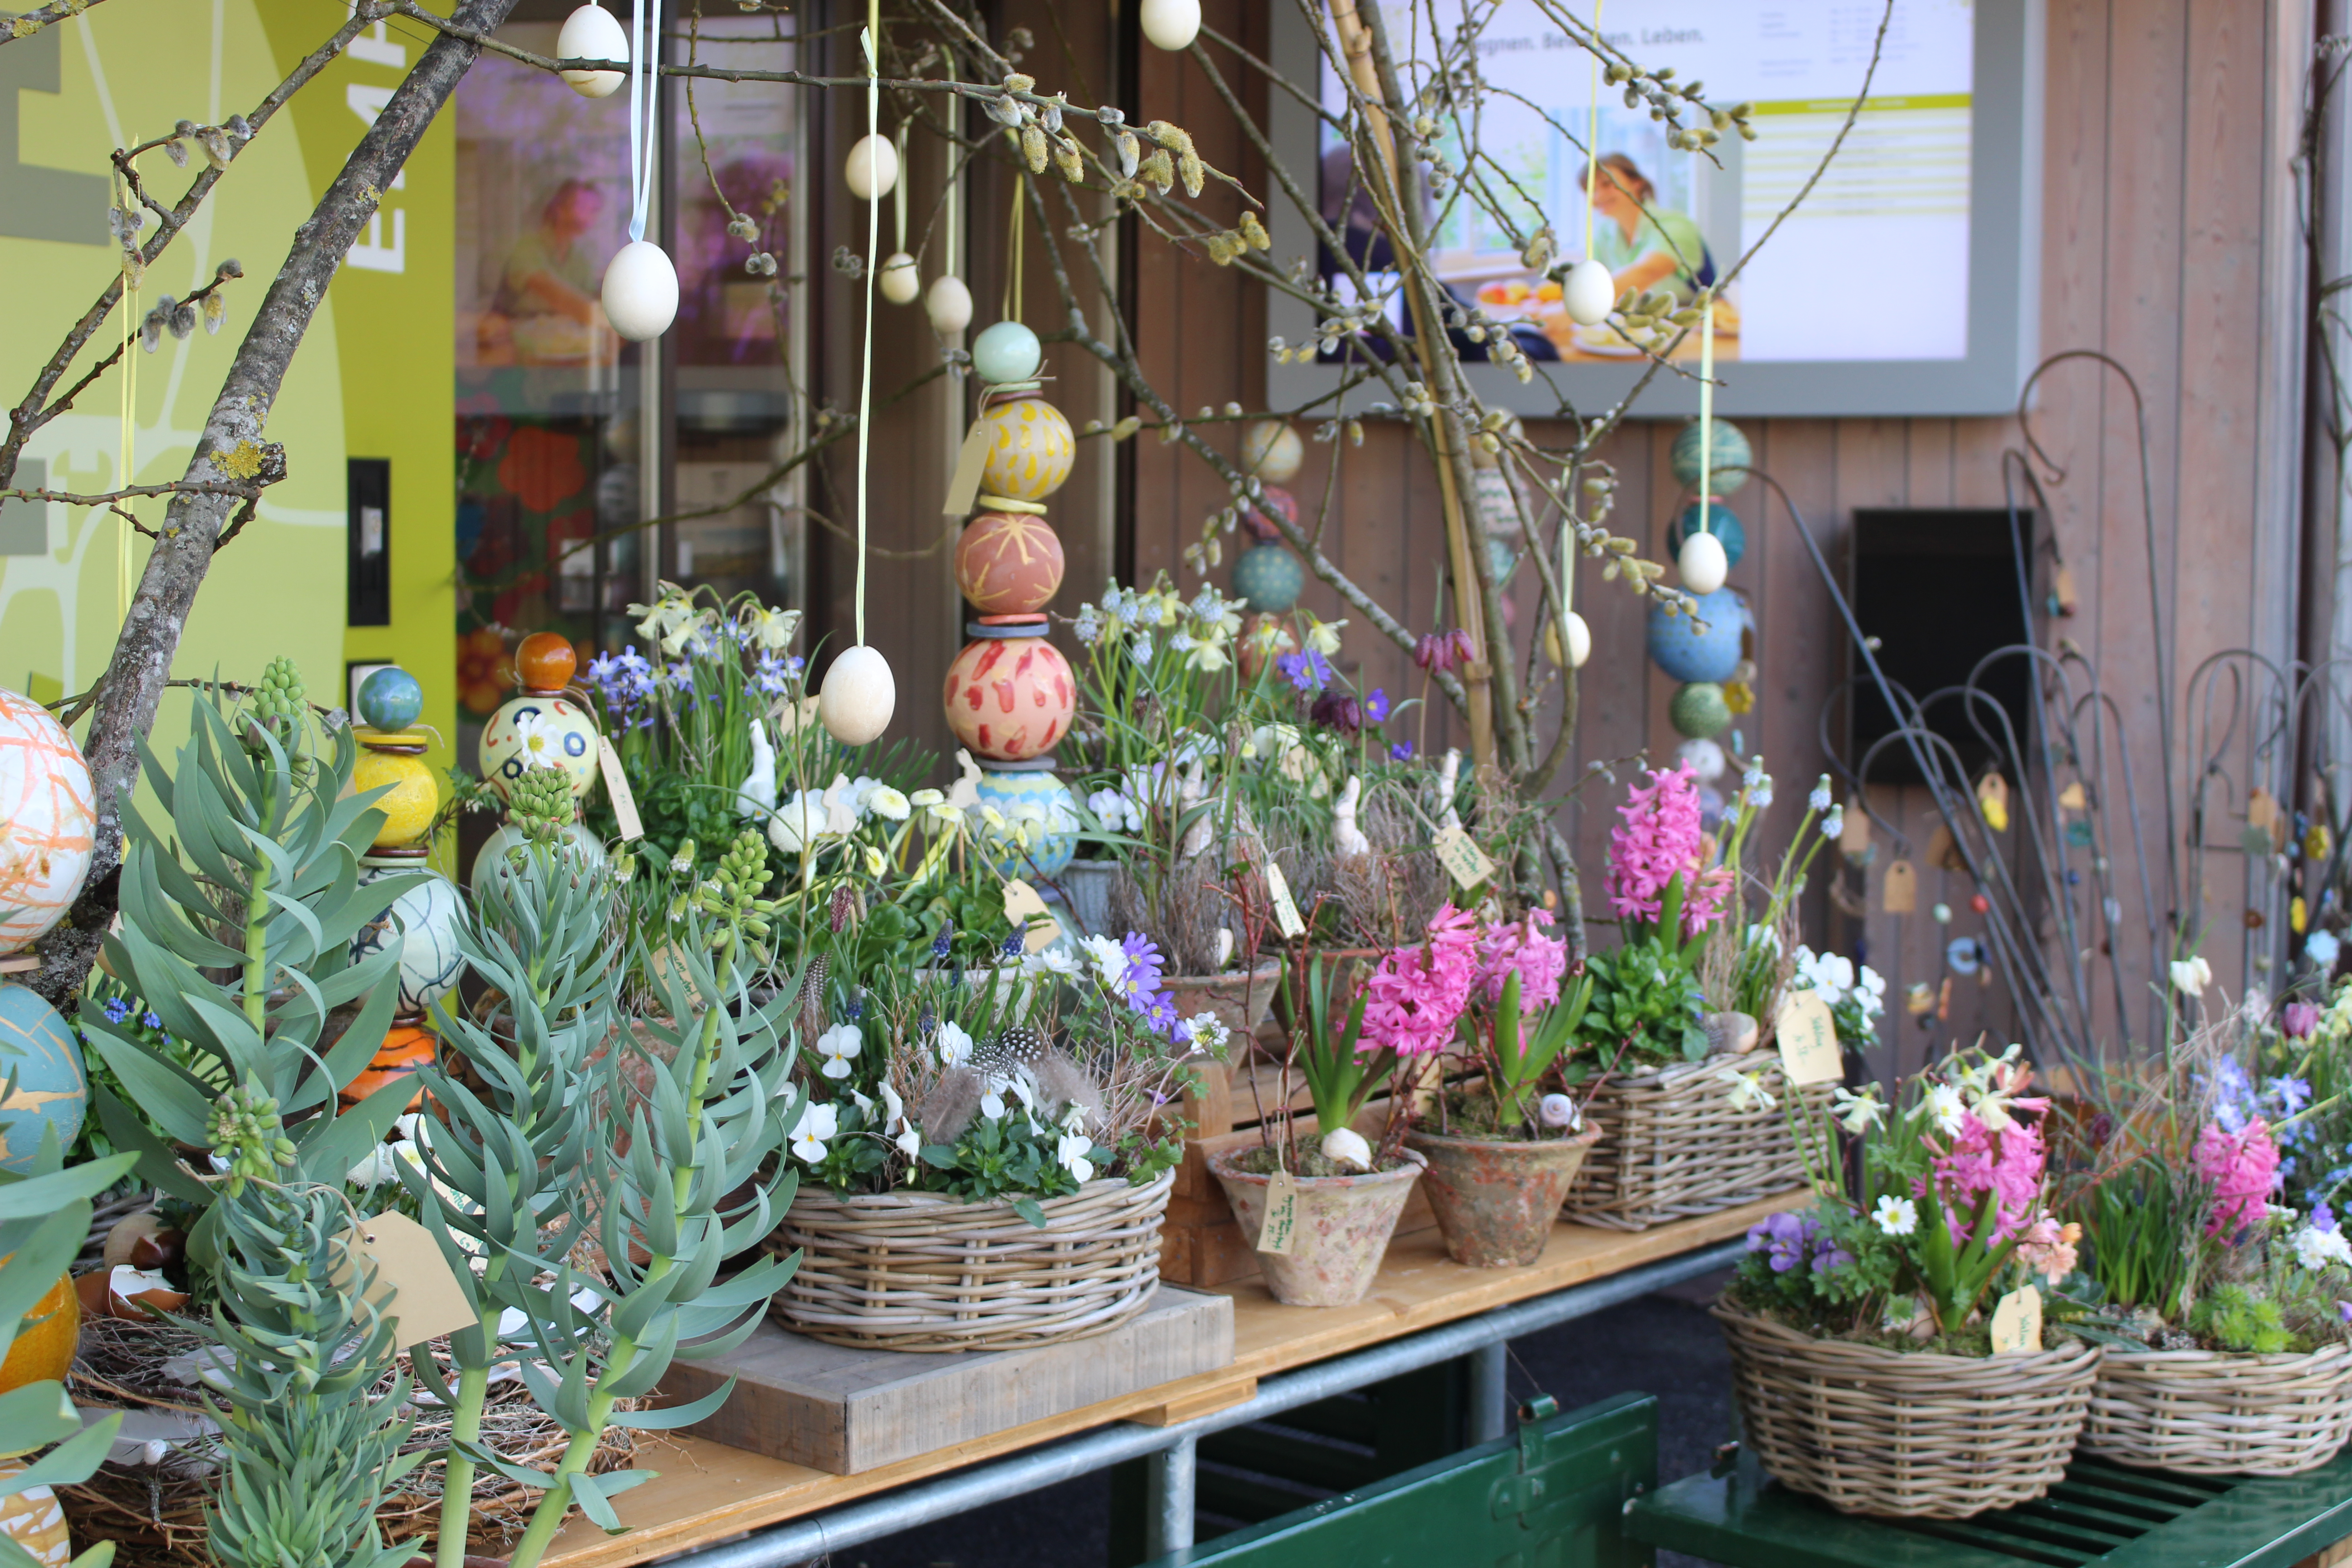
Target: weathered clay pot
{"points": [[1495, 1202], [1343, 1228], [1241, 1001]]}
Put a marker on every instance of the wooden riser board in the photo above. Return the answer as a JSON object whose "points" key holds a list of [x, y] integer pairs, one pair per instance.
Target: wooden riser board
{"points": [[846, 1411], [707, 1491]]}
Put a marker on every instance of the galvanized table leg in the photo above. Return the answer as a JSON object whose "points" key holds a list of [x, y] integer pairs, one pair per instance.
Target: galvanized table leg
{"points": [[1489, 1401], [1168, 1525]]}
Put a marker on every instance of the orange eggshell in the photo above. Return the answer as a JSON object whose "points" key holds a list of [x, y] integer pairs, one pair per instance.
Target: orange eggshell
{"points": [[1009, 698], [44, 1350], [545, 661], [100, 1298]]}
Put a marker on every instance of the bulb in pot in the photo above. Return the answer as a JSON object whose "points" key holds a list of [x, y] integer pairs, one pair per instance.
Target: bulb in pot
{"points": [[1346, 1146]]}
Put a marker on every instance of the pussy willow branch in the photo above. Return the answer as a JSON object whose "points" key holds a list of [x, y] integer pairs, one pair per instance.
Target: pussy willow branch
{"points": [[40, 17]]}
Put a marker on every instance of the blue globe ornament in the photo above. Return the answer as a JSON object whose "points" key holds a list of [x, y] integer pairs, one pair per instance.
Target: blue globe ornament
{"points": [[1727, 530], [1689, 655], [1733, 457], [1037, 807], [37, 1049], [391, 700], [1270, 577], [423, 923]]}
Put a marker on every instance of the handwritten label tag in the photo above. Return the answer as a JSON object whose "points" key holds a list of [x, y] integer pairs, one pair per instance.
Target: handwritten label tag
{"points": [[1286, 908], [1281, 1226], [1854, 833], [1899, 894], [1462, 859], [617, 786], [2017, 1321], [1027, 909], [971, 459], [1807, 1034], [412, 1282], [2072, 798]]}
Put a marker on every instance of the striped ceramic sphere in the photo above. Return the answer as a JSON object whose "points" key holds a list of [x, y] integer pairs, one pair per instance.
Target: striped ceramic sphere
{"points": [[38, 1047], [1009, 698], [1727, 467], [423, 922], [48, 822], [554, 730], [1035, 805], [1030, 449]]}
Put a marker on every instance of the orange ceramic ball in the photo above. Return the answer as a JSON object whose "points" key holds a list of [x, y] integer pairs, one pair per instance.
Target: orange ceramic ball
{"points": [[43, 1350], [1008, 563], [545, 662], [405, 1049], [1009, 698]]}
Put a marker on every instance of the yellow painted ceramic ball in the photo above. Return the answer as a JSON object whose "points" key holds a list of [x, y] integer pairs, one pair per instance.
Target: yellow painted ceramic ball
{"points": [[1030, 449], [408, 809], [551, 729]]}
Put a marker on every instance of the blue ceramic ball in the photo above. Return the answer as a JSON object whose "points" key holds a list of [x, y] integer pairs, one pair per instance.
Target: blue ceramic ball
{"points": [[1687, 654], [38, 1049], [1006, 352], [1727, 530], [391, 700], [1040, 804], [1733, 456], [1269, 577]]}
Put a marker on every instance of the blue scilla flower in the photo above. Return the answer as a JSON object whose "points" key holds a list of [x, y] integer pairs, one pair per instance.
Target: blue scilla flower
{"points": [[150, 1020], [116, 1009]]}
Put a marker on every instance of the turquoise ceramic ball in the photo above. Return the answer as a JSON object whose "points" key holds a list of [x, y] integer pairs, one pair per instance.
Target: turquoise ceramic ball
{"points": [[1727, 530], [1006, 352], [391, 700], [1686, 653], [1040, 808], [1733, 456], [1699, 711], [37, 1049], [1269, 577]]}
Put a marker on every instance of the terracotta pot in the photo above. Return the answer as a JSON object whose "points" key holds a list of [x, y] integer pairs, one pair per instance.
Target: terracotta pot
{"points": [[1241, 1002], [1344, 1224], [1497, 1201]]}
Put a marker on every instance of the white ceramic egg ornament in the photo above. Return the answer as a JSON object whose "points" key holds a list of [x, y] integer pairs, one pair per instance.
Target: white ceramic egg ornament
{"points": [[899, 281], [1007, 352], [640, 292], [858, 697], [872, 171], [949, 304], [1171, 25], [1588, 293], [592, 33], [1703, 563], [1271, 449]]}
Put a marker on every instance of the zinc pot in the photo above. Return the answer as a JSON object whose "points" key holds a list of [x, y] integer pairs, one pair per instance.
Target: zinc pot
{"points": [[1497, 1201], [1342, 1230]]}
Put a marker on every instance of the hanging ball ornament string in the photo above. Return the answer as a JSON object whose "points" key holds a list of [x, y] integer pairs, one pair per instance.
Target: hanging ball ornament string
{"points": [[900, 282], [1591, 289], [1702, 561], [948, 302], [640, 289]]}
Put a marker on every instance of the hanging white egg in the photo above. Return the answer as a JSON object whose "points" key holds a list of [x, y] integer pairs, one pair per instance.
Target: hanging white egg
{"points": [[640, 292], [858, 696], [1579, 641], [1171, 25], [1703, 563], [1271, 449], [1006, 352], [1590, 292], [592, 33], [898, 281], [950, 304], [872, 170]]}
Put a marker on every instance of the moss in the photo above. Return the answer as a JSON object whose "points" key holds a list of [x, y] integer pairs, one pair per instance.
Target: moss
{"points": [[1260, 1161]]}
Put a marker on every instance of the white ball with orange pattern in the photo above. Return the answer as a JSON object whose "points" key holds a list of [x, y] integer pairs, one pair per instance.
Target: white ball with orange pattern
{"points": [[48, 822]]}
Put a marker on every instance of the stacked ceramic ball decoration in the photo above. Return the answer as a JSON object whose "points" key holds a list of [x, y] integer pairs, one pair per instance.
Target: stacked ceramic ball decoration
{"points": [[1707, 542], [1010, 694], [1267, 574], [51, 817], [42, 1085], [422, 922], [539, 726]]}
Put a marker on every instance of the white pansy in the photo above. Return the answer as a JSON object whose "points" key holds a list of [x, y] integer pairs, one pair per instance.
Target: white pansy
{"points": [[815, 1125], [1072, 1151], [836, 1045], [1896, 1216], [991, 1103], [953, 1045]]}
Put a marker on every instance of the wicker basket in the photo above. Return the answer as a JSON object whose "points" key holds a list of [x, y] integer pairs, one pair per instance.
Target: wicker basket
{"points": [[2213, 1413], [1672, 1147], [1906, 1435], [914, 1271]]}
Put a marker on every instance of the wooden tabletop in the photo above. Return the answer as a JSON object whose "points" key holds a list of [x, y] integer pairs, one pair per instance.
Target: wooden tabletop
{"points": [[707, 1491]]}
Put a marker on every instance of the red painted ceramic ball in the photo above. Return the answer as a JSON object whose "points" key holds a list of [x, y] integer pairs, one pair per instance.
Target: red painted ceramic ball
{"points": [[1272, 499], [1008, 563], [545, 661], [1981, 904], [1009, 698]]}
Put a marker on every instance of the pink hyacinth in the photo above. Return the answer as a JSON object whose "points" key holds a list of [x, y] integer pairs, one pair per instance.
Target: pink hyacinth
{"points": [[1660, 838], [2243, 1167], [2008, 1163], [1519, 947], [1417, 994]]}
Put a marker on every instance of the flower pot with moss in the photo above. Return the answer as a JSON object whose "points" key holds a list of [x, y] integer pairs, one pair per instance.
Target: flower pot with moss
{"points": [[1341, 1220]]}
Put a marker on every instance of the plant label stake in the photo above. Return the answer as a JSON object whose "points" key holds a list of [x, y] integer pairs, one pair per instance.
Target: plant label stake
{"points": [[1286, 908], [1281, 1225], [412, 1282], [1899, 895], [1462, 858], [1807, 1034], [1024, 906], [2017, 1321], [616, 785]]}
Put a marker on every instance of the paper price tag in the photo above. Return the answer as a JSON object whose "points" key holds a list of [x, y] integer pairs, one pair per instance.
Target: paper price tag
{"points": [[1028, 910], [1286, 908], [2017, 1321], [617, 786], [1853, 832], [1899, 895], [1462, 859], [1281, 1226], [1807, 1034], [971, 459], [412, 1282]]}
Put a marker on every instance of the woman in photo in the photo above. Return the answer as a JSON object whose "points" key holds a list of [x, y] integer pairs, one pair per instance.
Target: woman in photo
{"points": [[1644, 246]]}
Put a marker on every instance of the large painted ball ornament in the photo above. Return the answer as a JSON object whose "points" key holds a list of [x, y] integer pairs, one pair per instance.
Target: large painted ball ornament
{"points": [[423, 922], [415, 795], [1030, 449], [391, 700], [1009, 698], [1721, 521], [38, 1049], [1270, 577], [582, 851], [406, 1051], [549, 731], [1043, 823], [48, 822], [1687, 653], [1258, 515], [1728, 469], [1271, 449], [1006, 352], [1008, 563], [1699, 710]]}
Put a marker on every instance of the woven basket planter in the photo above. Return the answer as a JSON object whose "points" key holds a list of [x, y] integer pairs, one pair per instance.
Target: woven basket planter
{"points": [[916, 1271], [2214, 1413], [1672, 1147], [1906, 1435]]}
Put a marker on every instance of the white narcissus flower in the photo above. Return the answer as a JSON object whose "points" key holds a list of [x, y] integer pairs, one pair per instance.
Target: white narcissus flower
{"points": [[953, 1045], [836, 1045], [1323, 637], [2192, 975], [1072, 1151], [1858, 1113], [1747, 1088], [1896, 1216], [816, 1124], [1944, 1106]]}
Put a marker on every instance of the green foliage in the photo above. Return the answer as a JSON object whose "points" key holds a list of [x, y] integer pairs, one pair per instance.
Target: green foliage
{"points": [[1644, 1002], [2135, 1222], [2235, 1318], [1515, 1057], [999, 1157], [1339, 1079]]}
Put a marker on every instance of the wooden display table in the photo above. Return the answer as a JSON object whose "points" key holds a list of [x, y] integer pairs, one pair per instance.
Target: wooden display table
{"points": [[707, 1491]]}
